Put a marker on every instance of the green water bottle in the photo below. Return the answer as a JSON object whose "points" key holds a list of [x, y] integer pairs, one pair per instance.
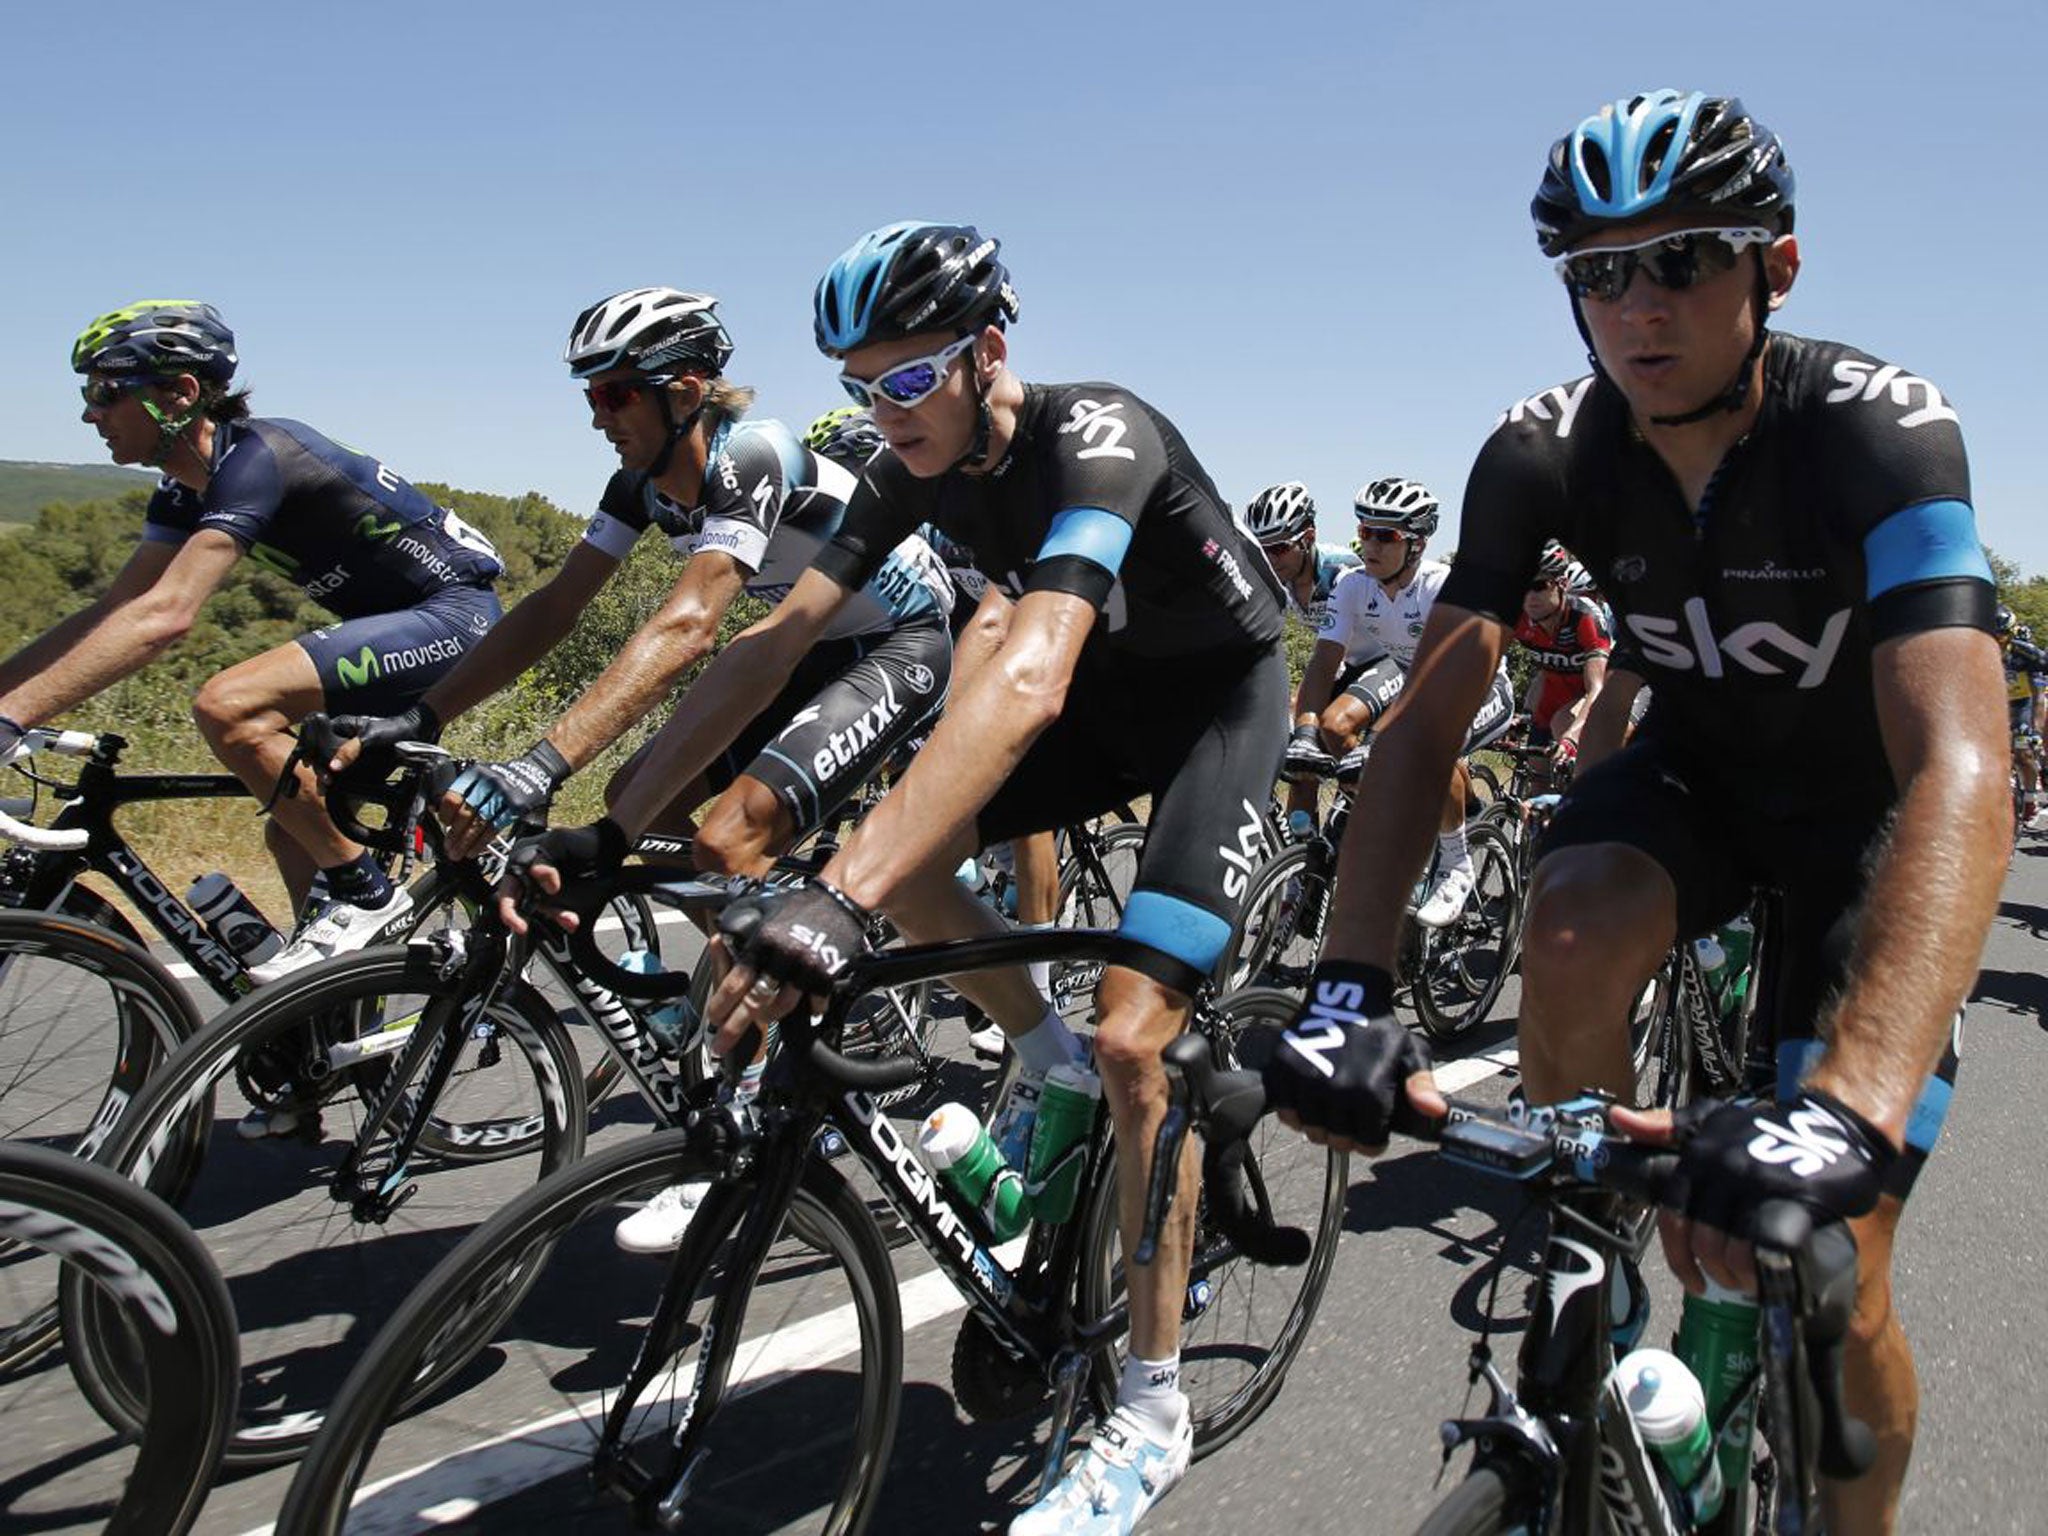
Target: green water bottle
{"points": [[1717, 1338], [954, 1142], [1670, 1412], [1059, 1141]]}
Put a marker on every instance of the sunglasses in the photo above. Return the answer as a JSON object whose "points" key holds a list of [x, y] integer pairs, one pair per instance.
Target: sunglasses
{"points": [[1675, 261], [616, 394], [907, 384], [101, 393], [1380, 535]]}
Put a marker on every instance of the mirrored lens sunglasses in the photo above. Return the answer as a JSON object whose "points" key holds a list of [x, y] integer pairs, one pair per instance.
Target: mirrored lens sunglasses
{"points": [[1675, 261], [907, 384]]}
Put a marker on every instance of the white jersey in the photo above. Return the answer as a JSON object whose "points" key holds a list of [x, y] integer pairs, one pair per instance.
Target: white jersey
{"points": [[1369, 624]]}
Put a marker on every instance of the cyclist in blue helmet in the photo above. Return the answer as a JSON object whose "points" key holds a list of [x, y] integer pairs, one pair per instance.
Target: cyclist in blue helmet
{"points": [[1783, 528]]}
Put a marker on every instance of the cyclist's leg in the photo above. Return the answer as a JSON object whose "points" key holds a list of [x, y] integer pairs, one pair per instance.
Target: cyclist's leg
{"points": [[1454, 881], [1631, 862]]}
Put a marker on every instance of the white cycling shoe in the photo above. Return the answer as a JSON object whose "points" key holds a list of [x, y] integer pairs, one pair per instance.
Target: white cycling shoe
{"points": [[342, 929], [1121, 1475], [660, 1224], [1447, 897]]}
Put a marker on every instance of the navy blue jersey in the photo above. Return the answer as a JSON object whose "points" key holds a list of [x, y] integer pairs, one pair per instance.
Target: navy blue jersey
{"points": [[1098, 495], [1842, 519], [771, 503], [359, 539]]}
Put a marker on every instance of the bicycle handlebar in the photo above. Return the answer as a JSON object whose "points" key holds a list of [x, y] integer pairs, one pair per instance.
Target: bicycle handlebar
{"points": [[48, 839]]}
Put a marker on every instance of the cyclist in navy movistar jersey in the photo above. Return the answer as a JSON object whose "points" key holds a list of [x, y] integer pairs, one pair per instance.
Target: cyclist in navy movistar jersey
{"points": [[1783, 526], [1129, 644], [409, 583]]}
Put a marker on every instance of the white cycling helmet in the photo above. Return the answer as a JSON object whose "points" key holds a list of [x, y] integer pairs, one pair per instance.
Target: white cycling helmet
{"points": [[656, 330], [1405, 505], [1280, 513]]}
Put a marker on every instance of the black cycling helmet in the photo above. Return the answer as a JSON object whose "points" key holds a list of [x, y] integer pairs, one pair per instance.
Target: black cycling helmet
{"points": [[911, 277], [1662, 152], [158, 336], [2005, 622]]}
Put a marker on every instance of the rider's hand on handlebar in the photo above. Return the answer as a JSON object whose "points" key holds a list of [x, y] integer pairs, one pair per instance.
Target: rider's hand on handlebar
{"points": [[334, 744], [539, 866], [1306, 757], [786, 941], [1347, 1073], [1734, 1157], [11, 736], [489, 796]]}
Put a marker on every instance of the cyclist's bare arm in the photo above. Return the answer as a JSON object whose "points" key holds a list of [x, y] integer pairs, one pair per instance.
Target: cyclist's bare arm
{"points": [[983, 636], [680, 634], [135, 577], [1606, 717], [1318, 681], [746, 675], [130, 631], [1940, 703], [537, 623], [1416, 745], [1594, 672], [989, 724]]}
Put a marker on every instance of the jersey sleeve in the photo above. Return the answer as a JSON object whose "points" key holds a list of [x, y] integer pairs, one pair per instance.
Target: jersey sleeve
{"points": [[1514, 500], [245, 492], [1595, 638], [1107, 461], [744, 487], [172, 514], [1339, 614], [886, 506], [621, 516]]}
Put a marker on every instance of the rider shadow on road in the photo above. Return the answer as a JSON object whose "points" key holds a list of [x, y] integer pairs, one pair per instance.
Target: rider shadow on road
{"points": [[2026, 917], [2020, 992]]}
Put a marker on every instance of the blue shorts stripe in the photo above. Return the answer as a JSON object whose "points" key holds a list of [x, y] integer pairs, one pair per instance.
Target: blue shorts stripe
{"points": [[1933, 541], [1192, 935], [1930, 1111], [1097, 536]]}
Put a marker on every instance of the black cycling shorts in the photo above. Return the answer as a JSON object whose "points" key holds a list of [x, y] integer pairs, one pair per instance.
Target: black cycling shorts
{"points": [[1719, 849], [382, 663], [1203, 739], [1378, 682], [849, 704]]}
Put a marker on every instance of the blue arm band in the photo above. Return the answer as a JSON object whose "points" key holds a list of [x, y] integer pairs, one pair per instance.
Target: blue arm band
{"points": [[1089, 533], [1932, 541]]}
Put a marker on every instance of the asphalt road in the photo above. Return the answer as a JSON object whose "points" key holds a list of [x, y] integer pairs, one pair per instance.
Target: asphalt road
{"points": [[1350, 1445]]}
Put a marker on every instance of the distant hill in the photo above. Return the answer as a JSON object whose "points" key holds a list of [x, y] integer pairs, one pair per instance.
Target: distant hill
{"points": [[26, 488]]}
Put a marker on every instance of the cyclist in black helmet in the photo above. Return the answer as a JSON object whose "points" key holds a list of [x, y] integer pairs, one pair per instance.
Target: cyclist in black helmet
{"points": [[1784, 530]]}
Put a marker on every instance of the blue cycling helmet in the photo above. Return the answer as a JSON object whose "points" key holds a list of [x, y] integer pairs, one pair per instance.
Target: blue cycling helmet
{"points": [[160, 337], [1662, 152], [907, 278]]}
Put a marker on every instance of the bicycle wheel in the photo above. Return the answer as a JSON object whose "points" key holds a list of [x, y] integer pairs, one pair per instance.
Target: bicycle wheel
{"points": [[1278, 938], [1464, 964], [1488, 1502], [1096, 881], [85, 1018], [130, 1260], [1242, 1323], [315, 1267], [799, 1442]]}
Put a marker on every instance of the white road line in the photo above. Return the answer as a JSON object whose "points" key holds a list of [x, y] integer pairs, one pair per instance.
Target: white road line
{"points": [[440, 1492]]}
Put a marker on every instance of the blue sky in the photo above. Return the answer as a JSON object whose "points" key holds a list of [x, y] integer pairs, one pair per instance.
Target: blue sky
{"points": [[1299, 230]]}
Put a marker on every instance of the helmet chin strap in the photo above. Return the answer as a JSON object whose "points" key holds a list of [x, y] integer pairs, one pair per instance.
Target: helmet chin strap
{"points": [[976, 454], [1736, 395], [170, 434], [677, 431]]}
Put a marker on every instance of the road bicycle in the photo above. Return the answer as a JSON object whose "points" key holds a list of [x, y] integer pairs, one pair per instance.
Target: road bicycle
{"points": [[131, 1269], [752, 1382]]}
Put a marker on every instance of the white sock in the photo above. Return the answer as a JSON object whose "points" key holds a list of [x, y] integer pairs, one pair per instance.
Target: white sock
{"points": [[1150, 1392], [1453, 852], [1051, 1044], [1041, 970]]}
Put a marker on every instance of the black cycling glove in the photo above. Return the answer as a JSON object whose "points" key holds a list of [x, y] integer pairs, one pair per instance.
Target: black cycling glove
{"points": [[806, 937], [1344, 1063], [1305, 757], [515, 791], [378, 736], [1815, 1151], [575, 853]]}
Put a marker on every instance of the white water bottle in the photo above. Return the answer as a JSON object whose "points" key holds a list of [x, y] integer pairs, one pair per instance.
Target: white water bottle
{"points": [[1669, 1408], [233, 919]]}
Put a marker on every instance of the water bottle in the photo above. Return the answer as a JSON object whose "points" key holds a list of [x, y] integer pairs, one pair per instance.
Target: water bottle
{"points": [[955, 1143], [673, 1022], [972, 875], [1738, 943], [1301, 826], [1717, 1339], [1669, 1408], [1059, 1141], [233, 919]]}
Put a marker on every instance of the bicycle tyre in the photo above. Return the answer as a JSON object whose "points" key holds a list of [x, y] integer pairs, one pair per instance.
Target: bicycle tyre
{"points": [[1486, 1503], [85, 1018], [136, 1264], [1279, 934], [265, 1208], [550, 1227], [1465, 964], [1231, 1374]]}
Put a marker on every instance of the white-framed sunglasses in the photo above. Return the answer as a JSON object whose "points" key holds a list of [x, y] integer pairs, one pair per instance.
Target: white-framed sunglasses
{"points": [[907, 384], [1675, 261]]}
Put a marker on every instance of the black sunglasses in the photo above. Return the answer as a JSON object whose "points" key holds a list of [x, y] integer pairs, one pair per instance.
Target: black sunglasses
{"points": [[1675, 261]]}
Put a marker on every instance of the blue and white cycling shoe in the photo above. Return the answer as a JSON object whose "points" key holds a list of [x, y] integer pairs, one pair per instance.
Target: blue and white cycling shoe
{"points": [[1122, 1474]]}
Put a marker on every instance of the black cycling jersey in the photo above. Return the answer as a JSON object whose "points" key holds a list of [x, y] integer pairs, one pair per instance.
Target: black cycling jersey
{"points": [[1842, 519], [1100, 496], [346, 528], [770, 503]]}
